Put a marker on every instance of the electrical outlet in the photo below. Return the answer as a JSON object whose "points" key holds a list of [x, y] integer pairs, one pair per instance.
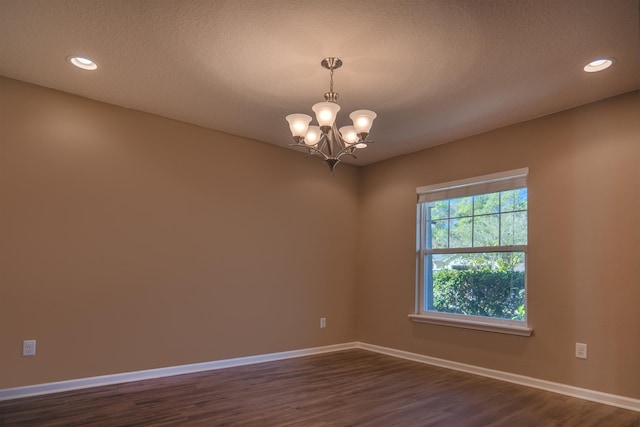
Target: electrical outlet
{"points": [[323, 322], [29, 348], [581, 350]]}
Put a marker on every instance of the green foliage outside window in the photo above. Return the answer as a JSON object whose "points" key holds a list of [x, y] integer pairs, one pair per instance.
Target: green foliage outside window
{"points": [[480, 291]]}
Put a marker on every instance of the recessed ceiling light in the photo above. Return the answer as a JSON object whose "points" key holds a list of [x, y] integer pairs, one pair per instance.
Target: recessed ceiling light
{"points": [[82, 62], [598, 65]]}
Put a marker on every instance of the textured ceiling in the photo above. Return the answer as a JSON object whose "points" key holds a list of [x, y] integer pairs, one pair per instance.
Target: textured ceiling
{"points": [[433, 70]]}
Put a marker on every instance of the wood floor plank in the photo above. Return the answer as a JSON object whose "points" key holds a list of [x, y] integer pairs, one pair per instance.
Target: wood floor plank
{"points": [[348, 388]]}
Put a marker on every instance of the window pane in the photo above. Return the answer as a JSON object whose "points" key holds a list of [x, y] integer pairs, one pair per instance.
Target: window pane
{"points": [[439, 234], [460, 233], [486, 229], [508, 201], [440, 209], [489, 284], [520, 228], [461, 207], [507, 229], [522, 198], [486, 204]]}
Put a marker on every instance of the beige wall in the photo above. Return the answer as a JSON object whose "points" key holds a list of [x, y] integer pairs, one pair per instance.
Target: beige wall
{"points": [[584, 247], [129, 242]]}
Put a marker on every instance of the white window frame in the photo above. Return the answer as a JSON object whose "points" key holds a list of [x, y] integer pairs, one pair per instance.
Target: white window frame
{"points": [[501, 181]]}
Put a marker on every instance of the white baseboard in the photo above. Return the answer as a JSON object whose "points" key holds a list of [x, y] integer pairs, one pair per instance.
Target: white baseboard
{"points": [[581, 393], [55, 387]]}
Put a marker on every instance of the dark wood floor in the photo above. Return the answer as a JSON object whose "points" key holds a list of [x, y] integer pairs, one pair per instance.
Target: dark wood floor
{"points": [[348, 388]]}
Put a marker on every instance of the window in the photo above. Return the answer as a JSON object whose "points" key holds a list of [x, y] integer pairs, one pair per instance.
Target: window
{"points": [[472, 253]]}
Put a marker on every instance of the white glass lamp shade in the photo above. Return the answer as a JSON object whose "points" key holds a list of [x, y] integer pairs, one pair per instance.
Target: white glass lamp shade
{"points": [[361, 145], [313, 135], [362, 120], [326, 112], [298, 123], [349, 134]]}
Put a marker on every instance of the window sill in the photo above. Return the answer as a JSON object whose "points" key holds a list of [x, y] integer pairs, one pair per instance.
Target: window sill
{"points": [[502, 328]]}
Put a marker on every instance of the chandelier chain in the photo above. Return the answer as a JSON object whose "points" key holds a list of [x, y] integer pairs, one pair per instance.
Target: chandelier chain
{"points": [[331, 81]]}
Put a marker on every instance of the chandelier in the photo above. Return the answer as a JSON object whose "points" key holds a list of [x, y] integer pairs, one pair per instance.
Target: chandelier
{"points": [[326, 140]]}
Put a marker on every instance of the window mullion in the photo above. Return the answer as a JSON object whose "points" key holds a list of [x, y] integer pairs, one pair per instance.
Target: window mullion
{"points": [[500, 218], [477, 249], [473, 221], [448, 223]]}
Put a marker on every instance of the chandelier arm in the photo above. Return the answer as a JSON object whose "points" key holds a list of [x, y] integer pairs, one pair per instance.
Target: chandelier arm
{"points": [[336, 138], [320, 153], [320, 146], [348, 149], [330, 139], [312, 150], [348, 154]]}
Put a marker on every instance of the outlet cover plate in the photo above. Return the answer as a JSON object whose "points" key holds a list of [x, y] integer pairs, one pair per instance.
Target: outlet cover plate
{"points": [[581, 350], [29, 347]]}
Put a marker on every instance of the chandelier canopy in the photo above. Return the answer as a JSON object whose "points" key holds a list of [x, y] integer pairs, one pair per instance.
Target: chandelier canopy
{"points": [[325, 140]]}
